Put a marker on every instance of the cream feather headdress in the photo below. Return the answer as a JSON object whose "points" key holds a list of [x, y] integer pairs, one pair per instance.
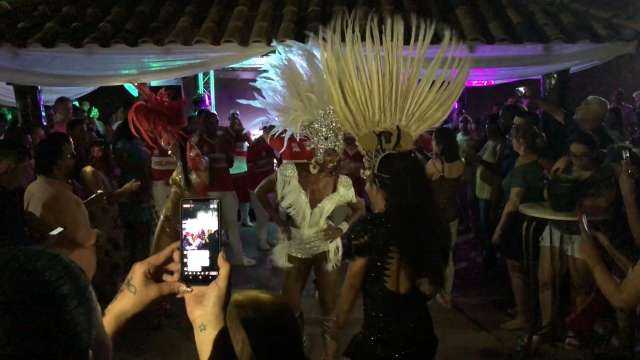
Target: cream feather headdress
{"points": [[293, 91], [385, 93]]}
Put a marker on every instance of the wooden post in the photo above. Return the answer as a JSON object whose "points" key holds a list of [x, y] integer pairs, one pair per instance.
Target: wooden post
{"points": [[30, 104]]}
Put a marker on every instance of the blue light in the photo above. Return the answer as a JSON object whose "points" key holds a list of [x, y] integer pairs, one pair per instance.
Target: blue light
{"points": [[132, 89]]}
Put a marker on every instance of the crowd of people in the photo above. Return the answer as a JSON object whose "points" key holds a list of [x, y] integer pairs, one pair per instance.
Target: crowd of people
{"points": [[84, 189], [579, 161]]}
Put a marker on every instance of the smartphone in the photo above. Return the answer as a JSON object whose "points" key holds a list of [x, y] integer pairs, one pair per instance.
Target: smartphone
{"points": [[199, 240], [56, 231], [520, 91], [93, 196], [585, 224], [626, 155]]}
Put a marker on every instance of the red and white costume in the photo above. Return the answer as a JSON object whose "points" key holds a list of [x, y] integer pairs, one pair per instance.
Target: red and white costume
{"points": [[260, 165], [210, 158], [159, 120], [162, 167]]}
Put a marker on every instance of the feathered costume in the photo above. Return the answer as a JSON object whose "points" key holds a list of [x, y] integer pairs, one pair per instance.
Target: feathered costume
{"points": [[384, 93], [294, 93], [158, 121]]}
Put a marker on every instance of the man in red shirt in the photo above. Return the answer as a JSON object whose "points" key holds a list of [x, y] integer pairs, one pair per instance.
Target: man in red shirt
{"points": [[210, 157], [240, 138], [260, 164]]}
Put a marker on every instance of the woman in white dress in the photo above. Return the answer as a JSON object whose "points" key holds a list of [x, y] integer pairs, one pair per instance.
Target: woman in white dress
{"points": [[294, 94], [309, 239]]}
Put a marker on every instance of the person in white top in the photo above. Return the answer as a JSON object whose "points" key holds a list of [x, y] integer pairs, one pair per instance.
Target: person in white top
{"points": [[51, 199], [488, 180]]}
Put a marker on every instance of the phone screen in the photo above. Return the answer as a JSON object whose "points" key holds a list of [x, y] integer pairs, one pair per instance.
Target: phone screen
{"points": [[56, 231], [200, 240]]}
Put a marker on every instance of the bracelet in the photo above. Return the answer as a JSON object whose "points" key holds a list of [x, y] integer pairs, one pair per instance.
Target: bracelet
{"points": [[344, 226]]}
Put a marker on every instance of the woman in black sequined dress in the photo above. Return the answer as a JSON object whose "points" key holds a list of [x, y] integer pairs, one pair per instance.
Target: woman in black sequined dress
{"points": [[398, 258]]}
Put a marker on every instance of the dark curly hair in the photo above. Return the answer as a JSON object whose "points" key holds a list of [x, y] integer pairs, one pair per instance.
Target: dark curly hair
{"points": [[47, 307], [423, 238], [49, 153]]}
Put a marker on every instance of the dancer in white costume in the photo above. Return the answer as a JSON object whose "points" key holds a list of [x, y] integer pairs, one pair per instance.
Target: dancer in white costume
{"points": [[307, 185]]}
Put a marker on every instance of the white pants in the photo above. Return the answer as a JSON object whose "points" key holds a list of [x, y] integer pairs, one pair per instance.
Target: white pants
{"points": [[160, 191], [229, 217], [262, 219], [449, 273]]}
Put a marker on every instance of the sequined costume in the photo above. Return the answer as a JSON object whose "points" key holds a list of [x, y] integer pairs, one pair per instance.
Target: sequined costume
{"points": [[306, 236], [396, 325]]}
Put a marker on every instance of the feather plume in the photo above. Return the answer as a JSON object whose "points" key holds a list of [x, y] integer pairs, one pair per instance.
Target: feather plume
{"points": [[294, 94], [380, 87]]}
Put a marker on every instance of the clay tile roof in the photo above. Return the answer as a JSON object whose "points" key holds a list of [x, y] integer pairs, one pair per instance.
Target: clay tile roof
{"points": [[78, 23]]}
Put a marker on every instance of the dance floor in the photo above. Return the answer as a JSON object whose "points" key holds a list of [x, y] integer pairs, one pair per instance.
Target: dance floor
{"points": [[468, 331]]}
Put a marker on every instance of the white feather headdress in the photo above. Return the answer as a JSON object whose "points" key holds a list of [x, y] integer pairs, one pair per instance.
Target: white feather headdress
{"points": [[293, 91], [378, 86]]}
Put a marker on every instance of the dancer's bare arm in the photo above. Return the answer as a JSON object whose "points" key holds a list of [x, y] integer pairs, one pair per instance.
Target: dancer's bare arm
{"points": [[265, 188], [625, 295]]}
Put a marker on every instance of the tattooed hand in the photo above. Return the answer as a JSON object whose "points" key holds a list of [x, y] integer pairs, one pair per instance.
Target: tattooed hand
{"points": [[147, 281], [205, 308], [207, 302]]}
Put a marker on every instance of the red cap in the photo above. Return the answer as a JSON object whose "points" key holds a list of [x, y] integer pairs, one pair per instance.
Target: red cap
{"points": [[297, 149]]}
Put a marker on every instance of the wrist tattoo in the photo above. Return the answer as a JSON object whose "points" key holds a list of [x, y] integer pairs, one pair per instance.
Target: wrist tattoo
{"points": [[128, 285], [202, 328]]}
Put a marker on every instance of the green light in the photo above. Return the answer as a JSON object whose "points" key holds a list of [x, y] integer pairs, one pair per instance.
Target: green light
{"points": [[212, 90], [200, 83], [131, 89]]}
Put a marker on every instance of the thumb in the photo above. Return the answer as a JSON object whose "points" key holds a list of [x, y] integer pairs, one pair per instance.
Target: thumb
{"points": [[224, 271], [167, 288]]}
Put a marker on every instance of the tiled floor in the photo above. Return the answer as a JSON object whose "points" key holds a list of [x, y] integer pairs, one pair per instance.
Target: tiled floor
{"points": [[469, 331]]}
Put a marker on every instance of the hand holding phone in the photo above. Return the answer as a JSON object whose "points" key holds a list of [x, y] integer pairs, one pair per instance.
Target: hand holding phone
{"points": [[199, 240], [521, 90]]}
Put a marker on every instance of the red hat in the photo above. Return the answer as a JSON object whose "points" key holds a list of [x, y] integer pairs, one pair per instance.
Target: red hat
{"points": [[297, 150]]}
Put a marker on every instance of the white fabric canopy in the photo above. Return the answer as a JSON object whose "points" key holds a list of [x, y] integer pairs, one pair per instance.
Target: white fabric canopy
{"points": [[118, 64], [50, 93], [81, 70], [501, 63]]}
